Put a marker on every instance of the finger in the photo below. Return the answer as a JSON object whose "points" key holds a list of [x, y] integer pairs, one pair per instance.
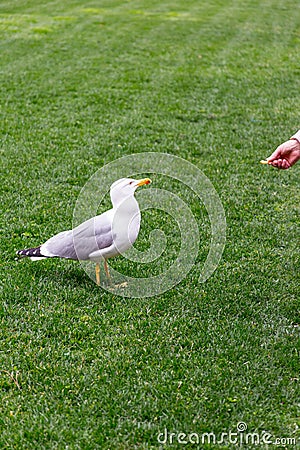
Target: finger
{"points": [[275, 155], [279, 163], [285, 164]]}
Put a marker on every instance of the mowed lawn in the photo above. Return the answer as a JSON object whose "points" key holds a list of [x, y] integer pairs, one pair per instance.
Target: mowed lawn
{"points": [[81, 84]]}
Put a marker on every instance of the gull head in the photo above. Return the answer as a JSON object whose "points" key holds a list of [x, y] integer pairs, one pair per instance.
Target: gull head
{"points": [[124, 188]]}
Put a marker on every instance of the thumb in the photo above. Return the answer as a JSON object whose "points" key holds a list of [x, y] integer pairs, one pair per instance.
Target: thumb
{"points": [[275, 155]]}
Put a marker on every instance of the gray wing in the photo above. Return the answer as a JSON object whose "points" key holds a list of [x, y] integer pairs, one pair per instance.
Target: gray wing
{"points": [[92, 235]]}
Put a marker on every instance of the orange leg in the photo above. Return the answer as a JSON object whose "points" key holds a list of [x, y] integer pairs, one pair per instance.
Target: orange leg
{"points": [[98, 274], [106, 269]]}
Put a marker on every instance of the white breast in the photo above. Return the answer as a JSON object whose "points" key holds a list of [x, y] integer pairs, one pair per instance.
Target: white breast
{"points": [[126, 219], [126, 224]]}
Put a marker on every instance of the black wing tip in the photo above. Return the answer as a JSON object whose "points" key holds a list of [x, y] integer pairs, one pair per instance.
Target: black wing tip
{"points": [[36, 252]]}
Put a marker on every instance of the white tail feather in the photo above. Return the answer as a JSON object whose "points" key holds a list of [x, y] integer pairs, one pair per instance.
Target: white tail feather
{"points": [[37, 258]]}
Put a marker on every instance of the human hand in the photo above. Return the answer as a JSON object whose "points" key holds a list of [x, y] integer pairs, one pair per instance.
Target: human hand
{"points": [[286, 155]]}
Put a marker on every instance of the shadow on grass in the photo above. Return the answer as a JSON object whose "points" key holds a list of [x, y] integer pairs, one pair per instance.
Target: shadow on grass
{"points": [[62, 274]]}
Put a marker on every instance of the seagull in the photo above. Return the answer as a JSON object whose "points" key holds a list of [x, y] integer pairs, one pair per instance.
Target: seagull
{"points": [[101, 237]]}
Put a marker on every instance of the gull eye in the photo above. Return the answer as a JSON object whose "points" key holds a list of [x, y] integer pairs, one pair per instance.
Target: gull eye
{"points": [[130, 182]]}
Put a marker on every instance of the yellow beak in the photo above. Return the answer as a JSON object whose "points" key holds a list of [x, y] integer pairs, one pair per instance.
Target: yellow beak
{"points": [[144, 181]]}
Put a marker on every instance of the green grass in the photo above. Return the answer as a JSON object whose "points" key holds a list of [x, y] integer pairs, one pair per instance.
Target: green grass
{"points": [[81, 84]]}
